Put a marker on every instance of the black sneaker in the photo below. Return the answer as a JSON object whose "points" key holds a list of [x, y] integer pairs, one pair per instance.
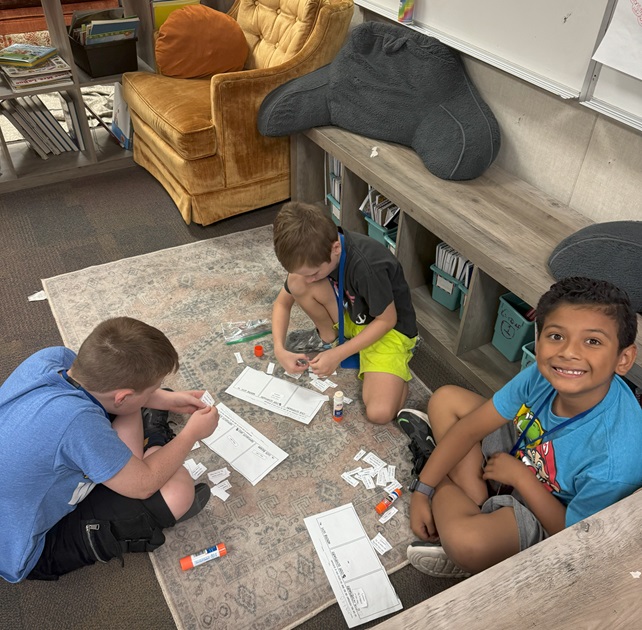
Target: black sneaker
{"points": [[307, 341], [202, 495], [416, 426], [156, 429]]}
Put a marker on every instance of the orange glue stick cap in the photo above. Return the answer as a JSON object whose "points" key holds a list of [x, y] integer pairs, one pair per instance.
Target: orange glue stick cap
{"points": [[258, 351]]}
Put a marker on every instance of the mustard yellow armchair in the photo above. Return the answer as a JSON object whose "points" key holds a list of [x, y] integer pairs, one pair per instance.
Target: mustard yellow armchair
{"points": [[198, 137]]}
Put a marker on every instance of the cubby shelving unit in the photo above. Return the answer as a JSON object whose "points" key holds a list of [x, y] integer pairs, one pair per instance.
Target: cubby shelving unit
{"points": [[504, 226], [20, 167]]}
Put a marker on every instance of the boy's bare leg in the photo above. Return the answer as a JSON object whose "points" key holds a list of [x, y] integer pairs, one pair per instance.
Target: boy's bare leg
{"points": [[318, 301], [472, 540], [178, 492], [446, 407], [383, 395]]}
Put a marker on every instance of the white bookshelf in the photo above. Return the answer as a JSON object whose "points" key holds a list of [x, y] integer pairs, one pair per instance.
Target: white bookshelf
{"points": [[20, 166]]}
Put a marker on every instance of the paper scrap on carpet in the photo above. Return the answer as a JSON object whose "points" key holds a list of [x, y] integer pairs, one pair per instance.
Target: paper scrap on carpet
{"points": [[356, 575]]}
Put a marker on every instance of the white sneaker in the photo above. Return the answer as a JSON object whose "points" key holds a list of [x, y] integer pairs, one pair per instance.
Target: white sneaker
{"points": [[430, 558]]}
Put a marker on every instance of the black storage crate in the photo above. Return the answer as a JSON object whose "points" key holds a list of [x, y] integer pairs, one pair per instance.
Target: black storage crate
{"points": [[100, 60]]}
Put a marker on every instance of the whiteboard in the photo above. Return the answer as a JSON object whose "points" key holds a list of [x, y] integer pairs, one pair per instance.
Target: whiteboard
{"points": [[617, 95], [546, 42]]}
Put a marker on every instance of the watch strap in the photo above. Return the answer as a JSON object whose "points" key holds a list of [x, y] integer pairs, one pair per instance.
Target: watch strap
{"points": [[418, 486]]}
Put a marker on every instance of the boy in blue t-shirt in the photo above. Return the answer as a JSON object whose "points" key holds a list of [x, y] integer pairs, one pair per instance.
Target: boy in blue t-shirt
{"points": [[78, 484], [492, 487]]}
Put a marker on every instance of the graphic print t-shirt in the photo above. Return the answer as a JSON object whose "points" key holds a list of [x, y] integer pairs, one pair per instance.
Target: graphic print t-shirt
{"points": [[589, 464]]}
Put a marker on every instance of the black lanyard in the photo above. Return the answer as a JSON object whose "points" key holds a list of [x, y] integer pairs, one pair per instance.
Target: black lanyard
{"points": [[342, 263], [78, 386], [546, 434]]}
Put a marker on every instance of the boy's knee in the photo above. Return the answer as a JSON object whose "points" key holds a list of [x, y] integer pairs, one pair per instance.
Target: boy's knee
{"points": [[466, 546], [378, 413]]}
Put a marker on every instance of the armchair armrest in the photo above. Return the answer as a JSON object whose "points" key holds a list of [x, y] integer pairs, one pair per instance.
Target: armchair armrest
{"points": [[237, 96]]}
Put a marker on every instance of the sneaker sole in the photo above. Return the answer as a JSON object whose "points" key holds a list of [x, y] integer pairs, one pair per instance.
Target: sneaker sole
{"points": [[435, 565]]}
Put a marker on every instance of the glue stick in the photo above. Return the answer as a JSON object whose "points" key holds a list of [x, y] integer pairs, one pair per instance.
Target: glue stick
{"points": [[337, 412], [384, 504], [189, 562]]}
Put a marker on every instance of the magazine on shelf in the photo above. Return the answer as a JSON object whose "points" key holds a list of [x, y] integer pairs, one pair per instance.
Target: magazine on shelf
{"points": [[8, 110], [30, 122], [25, 55], [24, 83], [50, 125], [50, 66], [37, 125], [59, 130], [161, 9], [71, 119]]}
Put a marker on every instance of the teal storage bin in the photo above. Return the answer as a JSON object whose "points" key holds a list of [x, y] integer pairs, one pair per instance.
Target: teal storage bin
{"points": [[528, 355], [512, 329], [391, 243], [445, 289], [379, 233]]}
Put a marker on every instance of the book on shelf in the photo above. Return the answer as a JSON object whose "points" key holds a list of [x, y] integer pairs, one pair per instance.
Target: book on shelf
{"points": [[121, 124], [25, 55], [103, 31], [52, 128], [161, 9], [50, 80], [12, 116], [37, 125], [71, 119], [49, 66]]}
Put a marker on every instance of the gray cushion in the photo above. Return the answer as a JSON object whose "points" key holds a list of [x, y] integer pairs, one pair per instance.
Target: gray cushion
{"points": [[391, 83], [605, 251]]}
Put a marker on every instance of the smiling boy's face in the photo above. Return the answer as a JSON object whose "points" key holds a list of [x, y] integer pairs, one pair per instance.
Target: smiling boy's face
{"points": [[578, 352]]}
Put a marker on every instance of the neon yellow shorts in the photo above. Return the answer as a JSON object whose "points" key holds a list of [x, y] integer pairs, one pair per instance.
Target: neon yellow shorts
{"points": [[390, 354]]}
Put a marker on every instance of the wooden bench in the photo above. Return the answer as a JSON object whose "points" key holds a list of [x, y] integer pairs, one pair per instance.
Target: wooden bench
{"points": [[505, 226]]}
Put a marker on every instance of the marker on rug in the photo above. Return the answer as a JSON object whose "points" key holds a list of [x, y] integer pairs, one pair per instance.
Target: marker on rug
{"points": [[384, 504], [189, 562]]}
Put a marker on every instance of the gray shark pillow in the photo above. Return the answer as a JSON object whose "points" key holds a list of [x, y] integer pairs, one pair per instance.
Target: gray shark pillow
{"points": [[391, 83], [604, 251]]}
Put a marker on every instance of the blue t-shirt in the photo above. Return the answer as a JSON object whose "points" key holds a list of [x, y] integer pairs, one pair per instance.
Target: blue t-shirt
{"points": [[588, 465], [55, 445]]}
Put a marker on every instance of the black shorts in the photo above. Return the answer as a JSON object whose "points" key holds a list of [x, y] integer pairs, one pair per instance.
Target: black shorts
{"points": [[103, 526]]}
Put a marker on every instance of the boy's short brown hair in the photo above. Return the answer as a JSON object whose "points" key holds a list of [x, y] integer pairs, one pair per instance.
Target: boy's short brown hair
{"points": [[124, 353], [303, 236]]}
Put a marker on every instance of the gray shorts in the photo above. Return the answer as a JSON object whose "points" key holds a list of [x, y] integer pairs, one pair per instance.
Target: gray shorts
{"points": [[530, 529]]}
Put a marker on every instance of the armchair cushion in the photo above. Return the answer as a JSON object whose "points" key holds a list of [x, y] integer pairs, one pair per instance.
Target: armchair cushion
{"points": [[184, 123], [196, 42]]}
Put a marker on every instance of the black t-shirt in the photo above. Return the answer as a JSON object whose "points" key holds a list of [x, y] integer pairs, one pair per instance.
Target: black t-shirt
{"points": [[373, 279]]}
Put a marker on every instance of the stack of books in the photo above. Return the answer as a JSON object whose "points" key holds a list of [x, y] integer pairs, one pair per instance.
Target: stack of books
{"points": [[38, 126], [26, 66], [380, 209], [103, 31]]}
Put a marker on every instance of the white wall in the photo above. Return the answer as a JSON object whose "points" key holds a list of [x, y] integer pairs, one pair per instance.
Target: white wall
{"points": [[579, 157]]}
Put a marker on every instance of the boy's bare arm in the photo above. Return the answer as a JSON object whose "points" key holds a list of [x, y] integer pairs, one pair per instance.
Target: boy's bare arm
{"points": [[281, 319], [140, 478], [506, 469], [459, 440]]}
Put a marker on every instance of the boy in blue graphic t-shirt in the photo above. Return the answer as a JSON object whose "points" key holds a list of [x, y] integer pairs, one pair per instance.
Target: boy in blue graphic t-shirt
{"points": [[556, 444]]}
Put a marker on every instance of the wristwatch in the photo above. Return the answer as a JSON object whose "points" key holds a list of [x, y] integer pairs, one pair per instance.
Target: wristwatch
{"points": [[415, 484]]}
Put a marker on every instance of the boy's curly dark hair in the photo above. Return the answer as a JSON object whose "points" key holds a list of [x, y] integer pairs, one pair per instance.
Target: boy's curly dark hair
{"points": [[600, 294]]}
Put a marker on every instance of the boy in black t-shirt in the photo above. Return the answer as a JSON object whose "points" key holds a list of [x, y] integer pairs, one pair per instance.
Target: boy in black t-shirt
{"points": [[378, 316]]}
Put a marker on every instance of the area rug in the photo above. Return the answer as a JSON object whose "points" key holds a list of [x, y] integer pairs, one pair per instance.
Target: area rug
{"points": [[271, 577]]}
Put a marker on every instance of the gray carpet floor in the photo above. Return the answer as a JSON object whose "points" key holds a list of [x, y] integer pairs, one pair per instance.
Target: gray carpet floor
{"points": [[72, 225]]}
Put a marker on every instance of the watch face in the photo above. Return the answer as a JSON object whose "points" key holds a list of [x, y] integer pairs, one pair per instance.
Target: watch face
{"points": [[413, 485]]}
